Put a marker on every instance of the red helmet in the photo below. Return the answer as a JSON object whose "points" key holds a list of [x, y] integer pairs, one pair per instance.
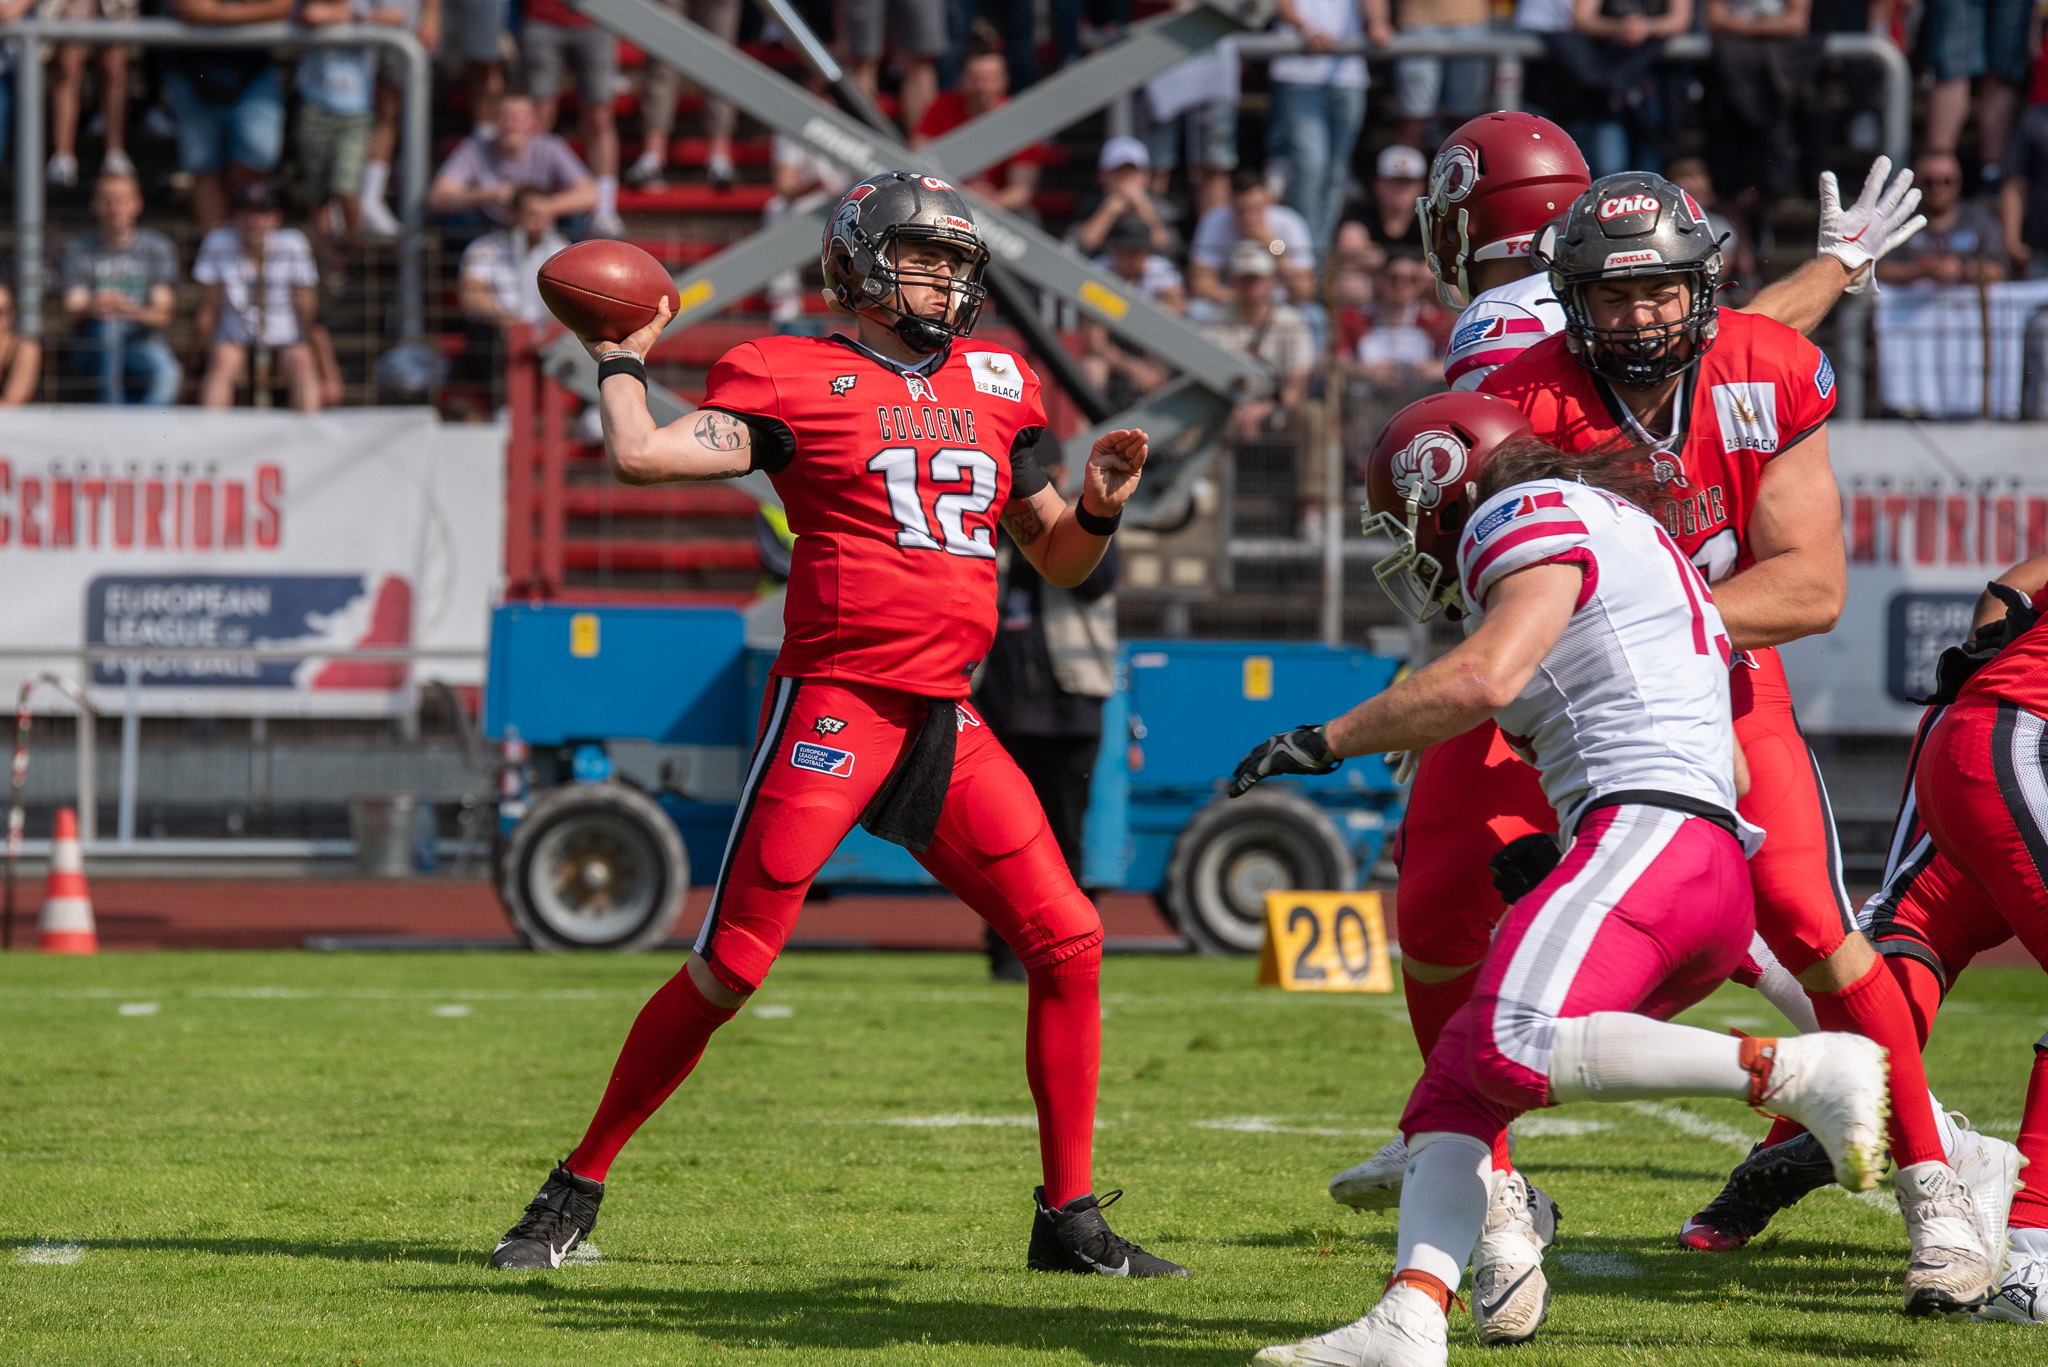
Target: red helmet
{"points": [[1498, 180], [1420, 481]]}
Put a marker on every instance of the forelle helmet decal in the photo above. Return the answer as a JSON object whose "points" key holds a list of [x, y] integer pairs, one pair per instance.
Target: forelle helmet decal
{"points": [[861, 246]]}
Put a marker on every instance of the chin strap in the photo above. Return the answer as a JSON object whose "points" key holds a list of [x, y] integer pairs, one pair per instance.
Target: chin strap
{"points": [[920, 334]]}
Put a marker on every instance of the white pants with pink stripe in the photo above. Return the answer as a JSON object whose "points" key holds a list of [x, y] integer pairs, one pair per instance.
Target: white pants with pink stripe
{"points": [[1649, 911]]}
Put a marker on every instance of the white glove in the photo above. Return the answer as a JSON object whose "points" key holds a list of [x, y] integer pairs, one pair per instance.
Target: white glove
{"points": [[1880, 220]]}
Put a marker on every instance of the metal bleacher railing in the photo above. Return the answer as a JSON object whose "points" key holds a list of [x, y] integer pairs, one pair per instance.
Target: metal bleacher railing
{"points": [[26, 38]]}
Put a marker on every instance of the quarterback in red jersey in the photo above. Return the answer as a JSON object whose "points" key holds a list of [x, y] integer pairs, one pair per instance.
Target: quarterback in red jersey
{"points": [[895, 454]]}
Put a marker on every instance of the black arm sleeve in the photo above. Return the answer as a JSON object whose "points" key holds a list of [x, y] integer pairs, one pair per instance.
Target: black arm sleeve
{"points": [[773, 446], [1027, 476]]}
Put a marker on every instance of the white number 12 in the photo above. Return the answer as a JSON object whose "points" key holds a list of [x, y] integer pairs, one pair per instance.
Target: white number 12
{"points": [[897, 465]]}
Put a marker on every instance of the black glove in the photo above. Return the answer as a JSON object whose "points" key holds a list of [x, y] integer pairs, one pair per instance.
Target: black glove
{"points": [[1522, 864], [1300, 751], [1959, 662]]}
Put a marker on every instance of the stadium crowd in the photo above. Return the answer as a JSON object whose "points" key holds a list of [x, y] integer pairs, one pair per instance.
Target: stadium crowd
{"points": [[1271, 202]]}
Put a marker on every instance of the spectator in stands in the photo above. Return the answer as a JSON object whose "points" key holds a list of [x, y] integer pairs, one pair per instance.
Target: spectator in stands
{"points": [[482, 172], [553, 39], [1964, 40], [1427, 86], [1398, 179], [336, 88], [387, 103], [1119, 373], [1198, 97], [1319, 103], [1963, 241], [1400, 350], [1261, 326], [1124, 175], [21, 358], [665, 85], [985, 85], [501, 270], [119, 295], [916, 30], [229, 104], [257, 305], [1251, 216], [479, 38], [2023, 198], [68, 82], [1605, 82], [1766, 63], [803, 181]]}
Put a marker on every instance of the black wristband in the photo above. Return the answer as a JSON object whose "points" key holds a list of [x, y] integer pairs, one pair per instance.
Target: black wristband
{"points": [[1093, 525], [622, 364]]}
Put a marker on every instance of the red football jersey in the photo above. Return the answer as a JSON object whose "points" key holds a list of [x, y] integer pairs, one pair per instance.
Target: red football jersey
{"points": [[1757, 391], [893, 484], [2019, 673]]}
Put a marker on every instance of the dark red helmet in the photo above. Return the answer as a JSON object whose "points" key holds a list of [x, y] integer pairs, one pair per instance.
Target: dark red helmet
{"points": [[1421, 479], [1500, 178]]}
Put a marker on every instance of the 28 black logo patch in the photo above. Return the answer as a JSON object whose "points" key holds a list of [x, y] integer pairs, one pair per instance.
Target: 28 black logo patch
{"points": [[828, 726], [843, 383]]}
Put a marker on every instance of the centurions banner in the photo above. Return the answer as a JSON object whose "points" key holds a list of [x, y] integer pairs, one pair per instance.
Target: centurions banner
{"points": [[190, 539]]}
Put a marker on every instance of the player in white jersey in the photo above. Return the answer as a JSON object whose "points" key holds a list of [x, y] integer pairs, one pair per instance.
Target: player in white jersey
{"points": [[1502, 176], [1596, 645]]}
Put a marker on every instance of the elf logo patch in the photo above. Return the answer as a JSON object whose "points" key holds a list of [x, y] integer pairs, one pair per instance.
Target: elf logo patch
{"points": [[997, 374], [841, 384], [1748, 414], [1824, 376], [828, 726], [1477, 331], [1495, 520], [822, 759]]}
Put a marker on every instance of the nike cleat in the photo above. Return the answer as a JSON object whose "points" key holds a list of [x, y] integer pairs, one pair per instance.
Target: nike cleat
{"points": [[560, 1217], [1374, 1184], [1948, 1273], [1075, 1238], [1544, 1216], [1766, 1182], [1990, 1168], [1510, 1294], [1406, 1329], [2023, 1291]]}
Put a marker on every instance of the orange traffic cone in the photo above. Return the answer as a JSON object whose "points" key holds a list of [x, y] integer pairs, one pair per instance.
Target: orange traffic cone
{"points": [[67, 926]]}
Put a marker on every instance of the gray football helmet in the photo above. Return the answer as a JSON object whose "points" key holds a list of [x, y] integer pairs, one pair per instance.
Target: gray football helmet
{"points": [[858, 257], [1627, 227]]}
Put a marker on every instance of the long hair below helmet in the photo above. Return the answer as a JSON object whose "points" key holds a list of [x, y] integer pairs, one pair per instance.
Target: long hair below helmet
{"points": [[858, 254]]}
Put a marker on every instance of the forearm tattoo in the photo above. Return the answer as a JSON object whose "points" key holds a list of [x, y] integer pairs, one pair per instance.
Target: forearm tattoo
{"points": [[1022, 522], [721, 432]]}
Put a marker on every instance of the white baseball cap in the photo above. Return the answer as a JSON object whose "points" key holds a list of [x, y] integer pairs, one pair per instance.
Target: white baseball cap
{"points": [[1402, 163], [1252, 258], [1124, 151]]}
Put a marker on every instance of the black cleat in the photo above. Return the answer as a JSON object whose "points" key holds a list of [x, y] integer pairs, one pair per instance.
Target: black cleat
{"points": [[1075, 1238], [560, 1217], [1766, 1182]]}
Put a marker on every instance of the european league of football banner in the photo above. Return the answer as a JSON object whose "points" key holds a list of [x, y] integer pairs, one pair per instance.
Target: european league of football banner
{"points": [[191, 538], [1929, 513]]}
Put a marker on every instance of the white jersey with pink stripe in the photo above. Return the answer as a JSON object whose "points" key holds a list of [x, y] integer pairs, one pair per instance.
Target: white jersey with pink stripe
{"points": [[1497, 326], [1634, 696]]}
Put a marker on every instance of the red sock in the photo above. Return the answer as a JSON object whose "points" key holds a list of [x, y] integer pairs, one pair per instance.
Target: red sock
{"points": [[2030, 1207], [1875, 1008], [1431, 1005], [1782, 1130], [667, 1039], [1920, 988], [1502, 1162], [1062, 1057]]}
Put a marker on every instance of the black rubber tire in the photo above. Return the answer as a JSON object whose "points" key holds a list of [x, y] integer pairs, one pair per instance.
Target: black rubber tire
{"points": [[594, 866], [1238, 849]]}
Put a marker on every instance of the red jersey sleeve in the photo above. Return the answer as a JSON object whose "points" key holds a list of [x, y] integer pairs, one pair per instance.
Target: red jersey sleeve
{"points": [[740, 383]]}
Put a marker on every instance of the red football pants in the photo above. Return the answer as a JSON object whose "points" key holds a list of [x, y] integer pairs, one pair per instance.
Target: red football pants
{"points": [[1472, 796], [825, 747], [1648, 912]]}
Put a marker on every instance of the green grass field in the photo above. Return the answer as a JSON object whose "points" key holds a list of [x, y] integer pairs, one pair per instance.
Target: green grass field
{"points": [[307, 1158]]}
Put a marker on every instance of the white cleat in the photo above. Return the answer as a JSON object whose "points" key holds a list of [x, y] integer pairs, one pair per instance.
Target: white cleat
{"points": [[2023, 1291], [1836, 1085], [1990, 1168], [1374, 1184], [1544, 1215], [1948, 1273], [1510, 1294], [1406, 1329]]}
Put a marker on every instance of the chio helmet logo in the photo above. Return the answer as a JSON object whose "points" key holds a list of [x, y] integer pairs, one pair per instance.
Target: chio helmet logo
{"points": [[1627, 204], [1426, 466], [1455, 174]]}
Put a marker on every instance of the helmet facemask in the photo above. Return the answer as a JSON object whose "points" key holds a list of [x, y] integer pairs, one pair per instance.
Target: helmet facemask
{"points": [[1411, 577], [1646, 356]]}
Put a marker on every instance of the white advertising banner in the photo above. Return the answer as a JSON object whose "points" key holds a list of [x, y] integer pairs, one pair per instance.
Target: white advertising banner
{"points": [[185, 535], [1930, 513]]}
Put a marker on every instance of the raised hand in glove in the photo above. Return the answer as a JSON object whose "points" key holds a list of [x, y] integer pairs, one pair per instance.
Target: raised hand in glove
{"points": [[1881, 219], [1300, 751]]}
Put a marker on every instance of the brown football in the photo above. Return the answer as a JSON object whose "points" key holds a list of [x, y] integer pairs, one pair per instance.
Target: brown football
{"points": [[604, 290]]}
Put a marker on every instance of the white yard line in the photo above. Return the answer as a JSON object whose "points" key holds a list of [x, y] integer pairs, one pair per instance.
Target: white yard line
{"points": [[49, 1255]]}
